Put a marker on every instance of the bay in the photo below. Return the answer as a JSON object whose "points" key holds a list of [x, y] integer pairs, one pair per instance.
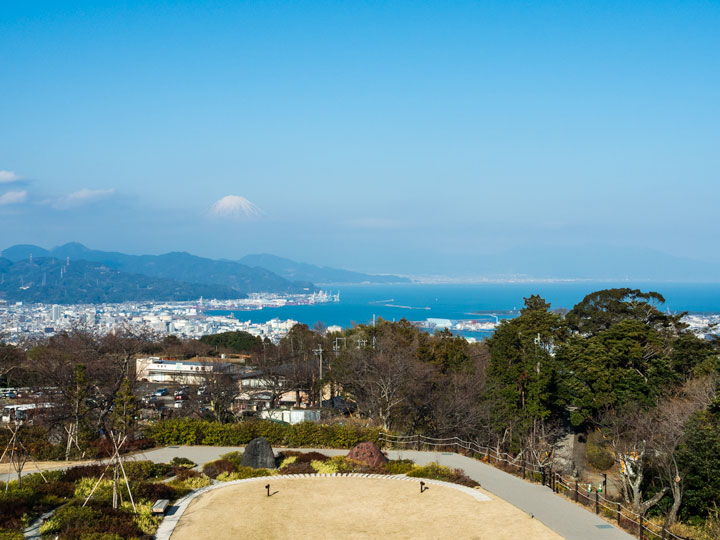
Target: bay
{"points": [[418, 302]]}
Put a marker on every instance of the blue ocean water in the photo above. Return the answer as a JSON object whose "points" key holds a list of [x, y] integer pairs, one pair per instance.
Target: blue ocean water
{"points": [[417, 302]]}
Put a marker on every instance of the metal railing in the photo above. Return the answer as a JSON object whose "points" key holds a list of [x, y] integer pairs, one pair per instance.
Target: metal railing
{"points": [[581, 493]]}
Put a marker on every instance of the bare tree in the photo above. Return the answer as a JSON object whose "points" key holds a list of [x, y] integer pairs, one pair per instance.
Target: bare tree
{"points": [[542, 440], [457, 405], [630, 434], [18, 452], [670, 419], [11, 358], [380, 379], [88, 372], [118, 351], [222, 383], [68, 363], [298, 352]]}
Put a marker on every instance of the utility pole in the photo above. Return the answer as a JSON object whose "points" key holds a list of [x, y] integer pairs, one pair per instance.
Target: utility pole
{"points": [[319, 351], [336, 347]]}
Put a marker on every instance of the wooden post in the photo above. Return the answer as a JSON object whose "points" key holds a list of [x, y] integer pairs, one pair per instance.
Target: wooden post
{"points": [[523, 469], [576, 491], [642, 529], [550, 479], [664, 536], [597, 502], [543, 475], [619, 512]]}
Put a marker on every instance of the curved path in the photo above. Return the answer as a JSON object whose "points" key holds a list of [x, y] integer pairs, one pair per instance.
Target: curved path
{"points": [[569, 520], [558, 513], [168, 525]]}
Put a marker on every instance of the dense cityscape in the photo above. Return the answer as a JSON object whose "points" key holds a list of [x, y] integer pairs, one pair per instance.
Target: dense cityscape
{"points": [[183, 319]]}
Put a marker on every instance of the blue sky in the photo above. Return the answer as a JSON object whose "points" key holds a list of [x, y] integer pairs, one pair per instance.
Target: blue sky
{"points": [[380, 136]]}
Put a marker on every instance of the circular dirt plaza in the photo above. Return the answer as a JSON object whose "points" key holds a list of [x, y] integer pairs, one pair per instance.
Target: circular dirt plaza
{"points": [[352, 507]]}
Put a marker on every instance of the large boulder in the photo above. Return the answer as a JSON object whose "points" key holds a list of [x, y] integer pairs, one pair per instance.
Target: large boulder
{"points": [[259, 454], [368, 454]]}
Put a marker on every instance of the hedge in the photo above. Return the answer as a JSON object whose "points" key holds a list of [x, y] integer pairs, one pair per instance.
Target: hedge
{"points": [[189, 431]]}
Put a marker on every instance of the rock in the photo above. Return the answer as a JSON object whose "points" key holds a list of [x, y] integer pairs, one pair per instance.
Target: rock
{"points": [[564, 454], [368, 454], [258, 454]]}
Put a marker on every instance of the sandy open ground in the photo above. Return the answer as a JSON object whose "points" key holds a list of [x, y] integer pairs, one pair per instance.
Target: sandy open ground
{"points": [[351, 508]]}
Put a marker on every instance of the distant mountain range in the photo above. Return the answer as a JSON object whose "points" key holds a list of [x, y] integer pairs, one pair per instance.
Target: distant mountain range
{"points": [[31, 273], [175, 276], [54, 281], [104, 276], [318, 274]]}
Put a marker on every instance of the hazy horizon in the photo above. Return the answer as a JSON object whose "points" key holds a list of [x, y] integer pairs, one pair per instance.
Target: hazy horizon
{"points": [[411, 138]]}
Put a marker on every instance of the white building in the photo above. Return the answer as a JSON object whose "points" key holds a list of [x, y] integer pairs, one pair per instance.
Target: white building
{"points": [[157, 370]]}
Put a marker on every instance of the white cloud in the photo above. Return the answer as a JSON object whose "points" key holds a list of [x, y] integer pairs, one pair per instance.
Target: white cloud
{"points": [[8, 176], [235, 207], [13, 197], [79, 198]]}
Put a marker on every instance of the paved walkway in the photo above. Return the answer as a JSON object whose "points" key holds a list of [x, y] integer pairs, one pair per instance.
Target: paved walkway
{"points": [[560, 514]]}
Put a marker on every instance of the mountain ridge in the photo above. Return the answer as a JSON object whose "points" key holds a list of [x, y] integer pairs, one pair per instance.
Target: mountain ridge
{"points": [[178, 266], [290, 269], [54, 281]]}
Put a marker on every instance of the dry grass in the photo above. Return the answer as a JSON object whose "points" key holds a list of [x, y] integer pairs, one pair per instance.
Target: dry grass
{"points": [[352, 508]]}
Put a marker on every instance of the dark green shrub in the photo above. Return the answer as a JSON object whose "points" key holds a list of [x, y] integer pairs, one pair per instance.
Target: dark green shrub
{"points": [[137, 444], [184, 474], [304, 457], [45, 451], [274, 432], [214, 468], [598, 454], [179, 431], [235, 457], [100, 448], [76, 522], [35, 480], [143, 470], [297, 468], [183, 462], [63, 490], [83, 471], [153, 491], [100, 536], [176, 431], [18, 502]]}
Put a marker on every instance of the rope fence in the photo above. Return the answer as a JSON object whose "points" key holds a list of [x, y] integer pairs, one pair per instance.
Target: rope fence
{"points": [[581, 493]]}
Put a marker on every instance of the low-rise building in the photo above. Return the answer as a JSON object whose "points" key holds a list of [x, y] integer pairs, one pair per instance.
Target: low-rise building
{"points": [[158, 370], [291, 416]]}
